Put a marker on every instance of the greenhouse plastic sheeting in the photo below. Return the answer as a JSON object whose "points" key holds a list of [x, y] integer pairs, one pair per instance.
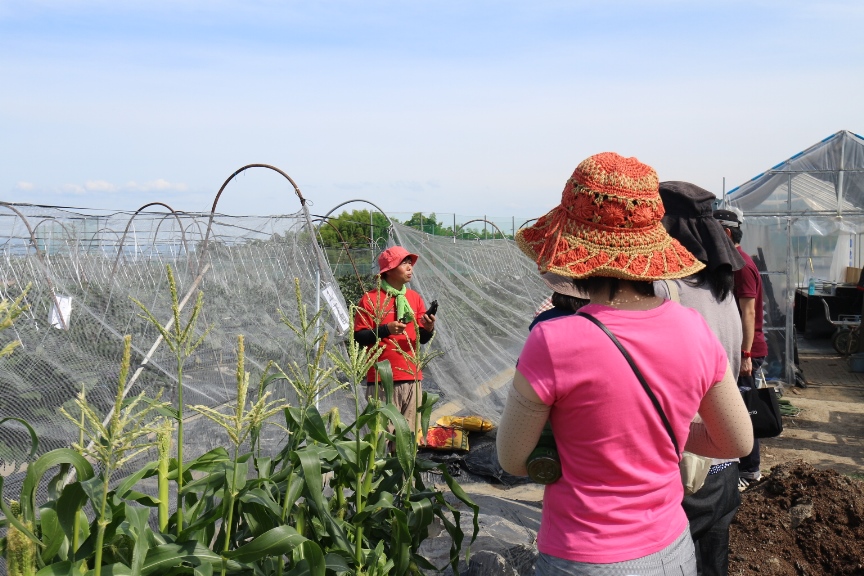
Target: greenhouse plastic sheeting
{"points": [[803, 219]]}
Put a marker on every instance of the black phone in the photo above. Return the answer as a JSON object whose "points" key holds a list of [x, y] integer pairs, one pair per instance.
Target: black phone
{"points": [[433, 307]]}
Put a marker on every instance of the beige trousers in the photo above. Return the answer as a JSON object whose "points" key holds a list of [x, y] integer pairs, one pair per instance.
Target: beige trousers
{"points": [[405, 396]]}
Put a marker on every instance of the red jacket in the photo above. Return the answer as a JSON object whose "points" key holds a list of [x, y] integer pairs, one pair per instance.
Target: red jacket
{"points": [[376, 309]]}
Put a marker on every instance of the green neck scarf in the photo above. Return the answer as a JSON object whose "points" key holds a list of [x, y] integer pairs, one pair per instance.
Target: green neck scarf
{"points": [[403, 309]]}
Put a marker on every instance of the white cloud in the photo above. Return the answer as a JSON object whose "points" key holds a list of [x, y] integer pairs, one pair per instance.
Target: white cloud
{"points": [[72, 189], [159, 185], [99, 186], [24, 186], [95, 187]]}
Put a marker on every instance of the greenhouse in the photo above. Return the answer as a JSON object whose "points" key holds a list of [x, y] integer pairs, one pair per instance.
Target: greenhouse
{"points": [[803, 225]]}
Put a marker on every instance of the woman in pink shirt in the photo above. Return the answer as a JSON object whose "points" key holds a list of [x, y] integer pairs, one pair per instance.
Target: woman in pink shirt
{"points": [[617, 505]]}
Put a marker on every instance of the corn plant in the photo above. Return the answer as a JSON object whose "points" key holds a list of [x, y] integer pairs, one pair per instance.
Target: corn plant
{"points": [[239, 424], [333, 500], [112, 445], [182, 343], [312, 380], [63, 541], [9, 311]]}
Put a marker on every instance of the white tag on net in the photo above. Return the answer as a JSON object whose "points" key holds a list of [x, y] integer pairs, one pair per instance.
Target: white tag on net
{"points": [[340, 315], [60, 312]]}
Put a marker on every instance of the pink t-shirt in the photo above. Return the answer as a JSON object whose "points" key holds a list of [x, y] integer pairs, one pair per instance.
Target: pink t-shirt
{"points": [[619, 497]]}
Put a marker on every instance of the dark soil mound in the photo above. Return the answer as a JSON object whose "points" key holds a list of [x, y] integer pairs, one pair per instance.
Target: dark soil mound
{"points": [[799, 521]]}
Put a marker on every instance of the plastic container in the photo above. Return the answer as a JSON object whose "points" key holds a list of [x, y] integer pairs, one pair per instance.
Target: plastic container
{"points": [[811, 287], [544, 466], [856, 362]]}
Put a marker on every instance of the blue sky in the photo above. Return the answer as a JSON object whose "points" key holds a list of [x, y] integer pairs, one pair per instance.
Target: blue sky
{"points": [[477, 108]]}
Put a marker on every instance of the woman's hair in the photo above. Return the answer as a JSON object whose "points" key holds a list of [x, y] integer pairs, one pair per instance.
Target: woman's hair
{"points": [[720, 281], [611, 285], [567, 302]]}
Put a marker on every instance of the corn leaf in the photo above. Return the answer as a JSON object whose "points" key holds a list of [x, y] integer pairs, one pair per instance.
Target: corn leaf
{"points": [[337, 563], [71, 500], [315, 427], [421, 515], [401, 542], [406, 444], [52, 533], [385, 374], [137, 519], [44, 463], [275, 542], [311, 465], [34, 440], [429, 400], [262, 497], [161, 558]]}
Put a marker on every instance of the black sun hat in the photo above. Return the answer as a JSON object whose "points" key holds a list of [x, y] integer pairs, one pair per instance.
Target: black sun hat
{"points": [[690, 218]]}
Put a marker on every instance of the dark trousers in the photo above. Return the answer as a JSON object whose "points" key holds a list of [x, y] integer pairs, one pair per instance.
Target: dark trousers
{"points": [[710, 512], [748, 467]]}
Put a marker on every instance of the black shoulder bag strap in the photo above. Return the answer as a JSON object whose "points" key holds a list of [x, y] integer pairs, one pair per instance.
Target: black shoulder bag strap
{"points": [[641, 378]]}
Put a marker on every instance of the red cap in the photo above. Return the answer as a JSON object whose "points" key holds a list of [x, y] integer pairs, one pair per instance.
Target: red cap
{"points": [[392, 257]]}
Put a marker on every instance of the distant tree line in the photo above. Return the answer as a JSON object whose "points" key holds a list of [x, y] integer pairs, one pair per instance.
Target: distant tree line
{"points": [[360, 229]]}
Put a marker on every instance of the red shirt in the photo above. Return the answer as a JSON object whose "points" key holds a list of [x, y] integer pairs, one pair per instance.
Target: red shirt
{"points": [[748, 284], [376, 309]]}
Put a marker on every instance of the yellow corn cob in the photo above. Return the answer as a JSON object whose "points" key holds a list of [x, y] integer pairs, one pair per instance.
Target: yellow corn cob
{"points": [[471, 423]]}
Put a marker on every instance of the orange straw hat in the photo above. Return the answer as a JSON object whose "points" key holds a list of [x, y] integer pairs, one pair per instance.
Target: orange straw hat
{"points": [[608, 224]]}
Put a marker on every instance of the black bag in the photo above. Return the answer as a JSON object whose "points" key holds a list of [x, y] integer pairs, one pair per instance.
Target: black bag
{"points": [[764, 411]]}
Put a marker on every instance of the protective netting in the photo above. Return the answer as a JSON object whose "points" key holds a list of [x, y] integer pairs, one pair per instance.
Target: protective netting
{"points": [[487, 291], [84, 267], [85, 260]]}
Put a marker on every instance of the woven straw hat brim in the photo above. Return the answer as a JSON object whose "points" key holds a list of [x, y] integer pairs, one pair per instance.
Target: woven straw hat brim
{"points": [[569, 248]]}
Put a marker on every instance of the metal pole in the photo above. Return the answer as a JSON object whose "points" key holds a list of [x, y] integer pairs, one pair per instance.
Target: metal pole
{"points": [[484, 227], [371, 233], [454, 228], [790, 303], [790, 296], [513, 226], [840, 174], [318, 318]]}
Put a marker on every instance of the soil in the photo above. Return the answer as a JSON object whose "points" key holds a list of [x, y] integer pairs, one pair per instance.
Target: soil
{"points": [[799, 521], [806, 516]]}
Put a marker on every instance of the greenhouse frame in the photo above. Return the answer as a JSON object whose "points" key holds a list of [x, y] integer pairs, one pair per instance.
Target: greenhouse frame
{"points": [[803, 221]]}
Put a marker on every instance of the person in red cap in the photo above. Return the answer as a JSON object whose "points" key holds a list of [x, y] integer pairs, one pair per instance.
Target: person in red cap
{"points": [[394, 317]]}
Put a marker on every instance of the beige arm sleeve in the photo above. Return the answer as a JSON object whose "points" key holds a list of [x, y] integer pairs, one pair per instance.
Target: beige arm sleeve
{"points": [[520, 427], [725, 430]]}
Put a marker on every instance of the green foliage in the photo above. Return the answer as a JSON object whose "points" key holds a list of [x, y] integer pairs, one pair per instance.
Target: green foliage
{"points": [[334, 500], [353, 288], [355, 229], [429, 224]]}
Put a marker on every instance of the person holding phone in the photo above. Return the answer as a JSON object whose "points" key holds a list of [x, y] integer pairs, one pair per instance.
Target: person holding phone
{"points": [[395, 317]]}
